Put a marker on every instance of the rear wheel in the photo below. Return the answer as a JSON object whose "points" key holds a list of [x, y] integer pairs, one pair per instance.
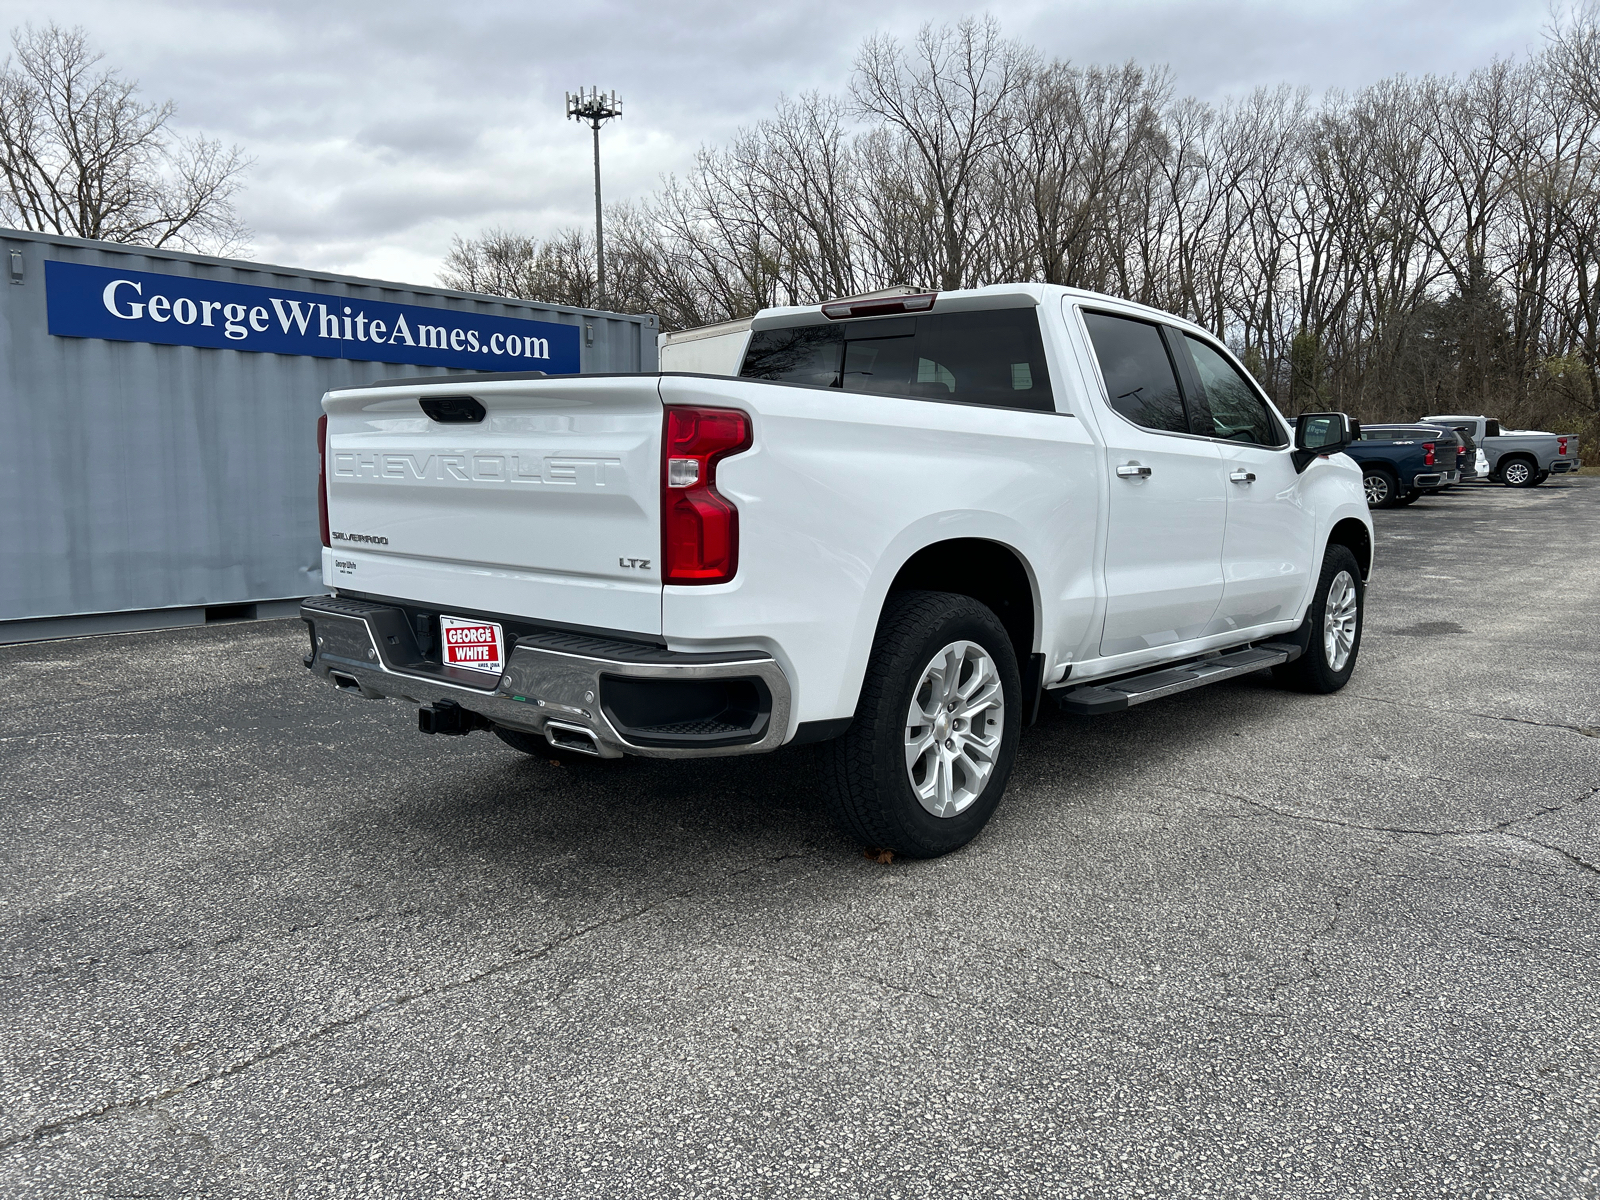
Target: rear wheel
{"points": [[1332, 629], [924, 764], [1519, 472], [1380, 488]]}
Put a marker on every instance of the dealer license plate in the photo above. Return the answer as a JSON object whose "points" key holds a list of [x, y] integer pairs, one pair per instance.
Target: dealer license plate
{"points": [[475, 645]]}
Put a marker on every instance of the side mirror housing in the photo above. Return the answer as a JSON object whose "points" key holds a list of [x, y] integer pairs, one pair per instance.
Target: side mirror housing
{"points": [[1318, 434]]}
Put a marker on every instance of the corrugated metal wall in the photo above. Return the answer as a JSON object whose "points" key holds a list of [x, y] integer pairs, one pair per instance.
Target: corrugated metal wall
{"points": [[137, 476]]}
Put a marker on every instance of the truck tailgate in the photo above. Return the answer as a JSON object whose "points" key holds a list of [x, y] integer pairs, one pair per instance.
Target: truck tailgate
{"points": [[548, 507]]}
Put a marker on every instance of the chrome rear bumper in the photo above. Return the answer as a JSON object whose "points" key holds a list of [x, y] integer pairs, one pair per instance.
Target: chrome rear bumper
{"points": [[555, 678]]}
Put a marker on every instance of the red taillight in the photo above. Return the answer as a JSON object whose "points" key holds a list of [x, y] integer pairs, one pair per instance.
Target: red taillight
{"points": [[1427, 454], [699, 527], [322, 478], [1561, 447]]}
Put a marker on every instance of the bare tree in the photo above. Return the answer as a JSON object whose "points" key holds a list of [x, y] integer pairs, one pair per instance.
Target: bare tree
{"points": [[952, 99], [81, 154], [501, 262], [1418, 244]]}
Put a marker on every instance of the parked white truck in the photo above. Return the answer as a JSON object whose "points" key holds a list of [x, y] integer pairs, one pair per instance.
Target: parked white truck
{"points": [[904, 522]]}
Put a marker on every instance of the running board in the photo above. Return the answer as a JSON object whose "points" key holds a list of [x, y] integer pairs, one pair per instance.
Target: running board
{"points": [[1092, 699]]}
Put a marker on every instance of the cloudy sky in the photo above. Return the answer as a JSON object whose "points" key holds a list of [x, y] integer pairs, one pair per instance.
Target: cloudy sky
{"points": [[380, 129]]}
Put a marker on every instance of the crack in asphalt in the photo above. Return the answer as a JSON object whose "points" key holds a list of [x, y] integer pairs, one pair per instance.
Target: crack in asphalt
{"points": [[1590, 731], [1503, 829], [404, 1000]]}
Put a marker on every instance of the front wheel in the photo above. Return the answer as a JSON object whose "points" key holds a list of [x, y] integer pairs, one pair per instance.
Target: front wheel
{"points": [[923, 766], [1332, 629]]}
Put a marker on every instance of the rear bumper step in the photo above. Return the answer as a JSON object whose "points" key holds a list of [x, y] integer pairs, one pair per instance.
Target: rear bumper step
{"points": [[591, 694], [1093, 699]]}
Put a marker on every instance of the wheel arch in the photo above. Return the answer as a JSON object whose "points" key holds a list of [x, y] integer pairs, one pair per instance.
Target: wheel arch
{"points": [[1357, 538], [992, 573]]}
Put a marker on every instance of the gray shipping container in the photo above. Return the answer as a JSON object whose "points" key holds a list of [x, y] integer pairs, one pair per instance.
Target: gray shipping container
{"points": [[145, 485]]}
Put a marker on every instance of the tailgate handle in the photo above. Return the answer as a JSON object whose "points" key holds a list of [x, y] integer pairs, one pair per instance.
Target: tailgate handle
{"points": [[453, 410]]}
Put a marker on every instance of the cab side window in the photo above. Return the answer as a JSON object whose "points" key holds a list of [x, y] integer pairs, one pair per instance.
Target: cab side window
{"points": [[1238, 414], [1141, 382]]}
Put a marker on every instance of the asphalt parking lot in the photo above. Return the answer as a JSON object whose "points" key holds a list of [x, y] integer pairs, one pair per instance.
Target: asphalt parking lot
{"points": [[263, 939]]}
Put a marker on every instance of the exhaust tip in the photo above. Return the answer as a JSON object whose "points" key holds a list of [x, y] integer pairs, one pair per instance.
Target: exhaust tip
{"points": [[345, 683], [572, 737]]}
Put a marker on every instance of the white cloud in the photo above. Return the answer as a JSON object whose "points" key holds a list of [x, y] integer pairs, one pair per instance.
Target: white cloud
{"points": [[381, 129]]}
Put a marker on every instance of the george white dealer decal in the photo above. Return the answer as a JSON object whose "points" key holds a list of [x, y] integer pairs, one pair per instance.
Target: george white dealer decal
{"points": [[482, 466]]}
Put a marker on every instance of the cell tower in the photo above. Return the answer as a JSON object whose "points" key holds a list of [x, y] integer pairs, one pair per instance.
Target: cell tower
{"points": [[596, 108]]}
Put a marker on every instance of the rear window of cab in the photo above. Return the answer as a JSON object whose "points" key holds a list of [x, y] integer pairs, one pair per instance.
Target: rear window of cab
{"points": [[993, 357]]}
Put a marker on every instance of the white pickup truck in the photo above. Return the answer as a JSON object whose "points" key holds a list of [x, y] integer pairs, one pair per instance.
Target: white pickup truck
{"points": [[904, 522]]}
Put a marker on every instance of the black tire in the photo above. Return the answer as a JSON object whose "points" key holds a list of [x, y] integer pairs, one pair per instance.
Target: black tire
{"points": [[1519, 472], [867, 780], [1312, 671], [1540, 478], [1383, 490], [536, 745], [1410, 497]]}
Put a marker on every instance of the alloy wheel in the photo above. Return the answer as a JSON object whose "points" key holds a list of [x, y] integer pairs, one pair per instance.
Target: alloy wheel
{"points": [[953, 728], [1377, 487], [1339, 615]]}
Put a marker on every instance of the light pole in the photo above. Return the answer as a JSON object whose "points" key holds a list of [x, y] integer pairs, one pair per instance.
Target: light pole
{"points": [[596, 108]]}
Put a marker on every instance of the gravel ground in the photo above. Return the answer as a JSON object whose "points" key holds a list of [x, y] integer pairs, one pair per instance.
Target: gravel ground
{"points": [[263, 939]]}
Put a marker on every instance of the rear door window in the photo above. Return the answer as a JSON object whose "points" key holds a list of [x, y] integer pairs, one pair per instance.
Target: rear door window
{"points": [[1141, 382], [994, 358]]}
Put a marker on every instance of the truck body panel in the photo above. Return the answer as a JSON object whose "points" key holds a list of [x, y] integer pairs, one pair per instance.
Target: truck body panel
{"points": [[549, 506], [840, 490]]}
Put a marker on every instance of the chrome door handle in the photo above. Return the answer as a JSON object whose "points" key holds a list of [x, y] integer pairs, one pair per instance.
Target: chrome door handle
{"points": [[1133, 471], [1243, 477]]}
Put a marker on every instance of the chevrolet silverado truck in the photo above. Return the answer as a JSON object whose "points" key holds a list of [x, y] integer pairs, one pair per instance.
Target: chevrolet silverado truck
{"points": [[905, 522], [1518, 457], [1401, 462]]}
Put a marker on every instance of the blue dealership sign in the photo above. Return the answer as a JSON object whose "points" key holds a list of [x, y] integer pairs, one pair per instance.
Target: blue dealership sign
{"points": [[181, 310]]}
